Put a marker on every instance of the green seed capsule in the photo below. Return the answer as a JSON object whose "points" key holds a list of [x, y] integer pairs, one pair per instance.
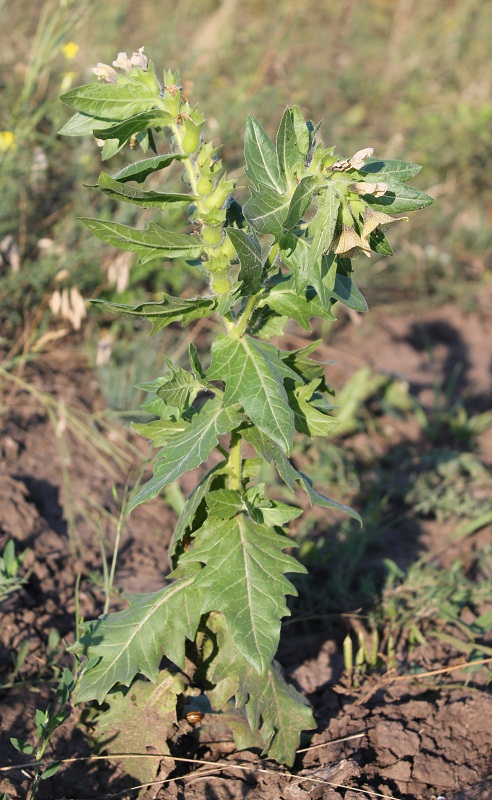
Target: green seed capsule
{"points": [[212, 234], [227, 249], [204, 186], [191, 137], [220, 283]]}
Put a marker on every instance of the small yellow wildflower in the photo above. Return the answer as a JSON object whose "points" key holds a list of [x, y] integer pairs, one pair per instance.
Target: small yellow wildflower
{"points": [[70, 50], [7, 140]]}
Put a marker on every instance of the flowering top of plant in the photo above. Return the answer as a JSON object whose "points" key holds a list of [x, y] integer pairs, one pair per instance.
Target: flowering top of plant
{"points": [[286, 254]]}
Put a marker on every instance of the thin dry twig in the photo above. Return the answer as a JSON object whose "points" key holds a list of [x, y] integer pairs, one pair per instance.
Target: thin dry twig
{"points": [[417, 676], [214, 767]]}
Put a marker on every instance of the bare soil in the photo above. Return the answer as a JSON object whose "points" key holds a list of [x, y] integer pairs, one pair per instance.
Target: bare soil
{"points": [[414, 739]]}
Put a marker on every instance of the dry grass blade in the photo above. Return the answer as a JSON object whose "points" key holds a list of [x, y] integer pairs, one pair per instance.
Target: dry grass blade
{"points": [[214, 766], [418, 676]]}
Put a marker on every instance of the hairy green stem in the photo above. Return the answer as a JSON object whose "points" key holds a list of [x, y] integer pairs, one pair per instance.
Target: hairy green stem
{"points": [[238, 329], [272, 255], [235, 462], [187, 162]]}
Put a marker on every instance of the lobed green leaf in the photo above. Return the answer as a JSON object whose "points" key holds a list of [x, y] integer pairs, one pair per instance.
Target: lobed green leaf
{"points": [[193, 514], [188, 449], [83, 125], [302, 132], [390, 168], [159, 430], [398, 197], [266, 211], [113, 102], [272, 453], [300, 202], [254, 373], [379, 243], [271, 705], [269, 512], [117, 190], [283, 298], [307, 418], [322, 226], [122, 131], [308, 369], [294, 252], [249, 253], [224, 504], [153, 241], [289, 155], [169, 309], [140, 170], [347, 293], [263, 168], [133, 641], [244, 578], [180, 387]]}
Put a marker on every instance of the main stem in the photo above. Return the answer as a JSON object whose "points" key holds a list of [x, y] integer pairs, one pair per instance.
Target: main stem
{"points": [[234, 329], [237, 330]]}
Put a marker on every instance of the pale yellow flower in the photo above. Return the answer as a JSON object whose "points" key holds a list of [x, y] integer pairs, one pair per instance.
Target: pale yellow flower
{"points": [[126, 64], [357, 160], [377, 219], [349, 244], [104, 72], [70, 50], [123, 62], [364, 187], [138, 59]]}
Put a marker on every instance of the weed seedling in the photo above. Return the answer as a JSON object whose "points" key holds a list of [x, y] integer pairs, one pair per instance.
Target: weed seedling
{"points": [[10, 564], [46, 724], [287, 253]]}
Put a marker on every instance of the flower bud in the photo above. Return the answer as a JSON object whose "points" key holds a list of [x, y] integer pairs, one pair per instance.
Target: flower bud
{"points": [[172, 99], [191, 137], [220, 194]]}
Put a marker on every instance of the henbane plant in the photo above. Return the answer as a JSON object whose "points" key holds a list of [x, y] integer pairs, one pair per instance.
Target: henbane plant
{"points": [[213, 630]]}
